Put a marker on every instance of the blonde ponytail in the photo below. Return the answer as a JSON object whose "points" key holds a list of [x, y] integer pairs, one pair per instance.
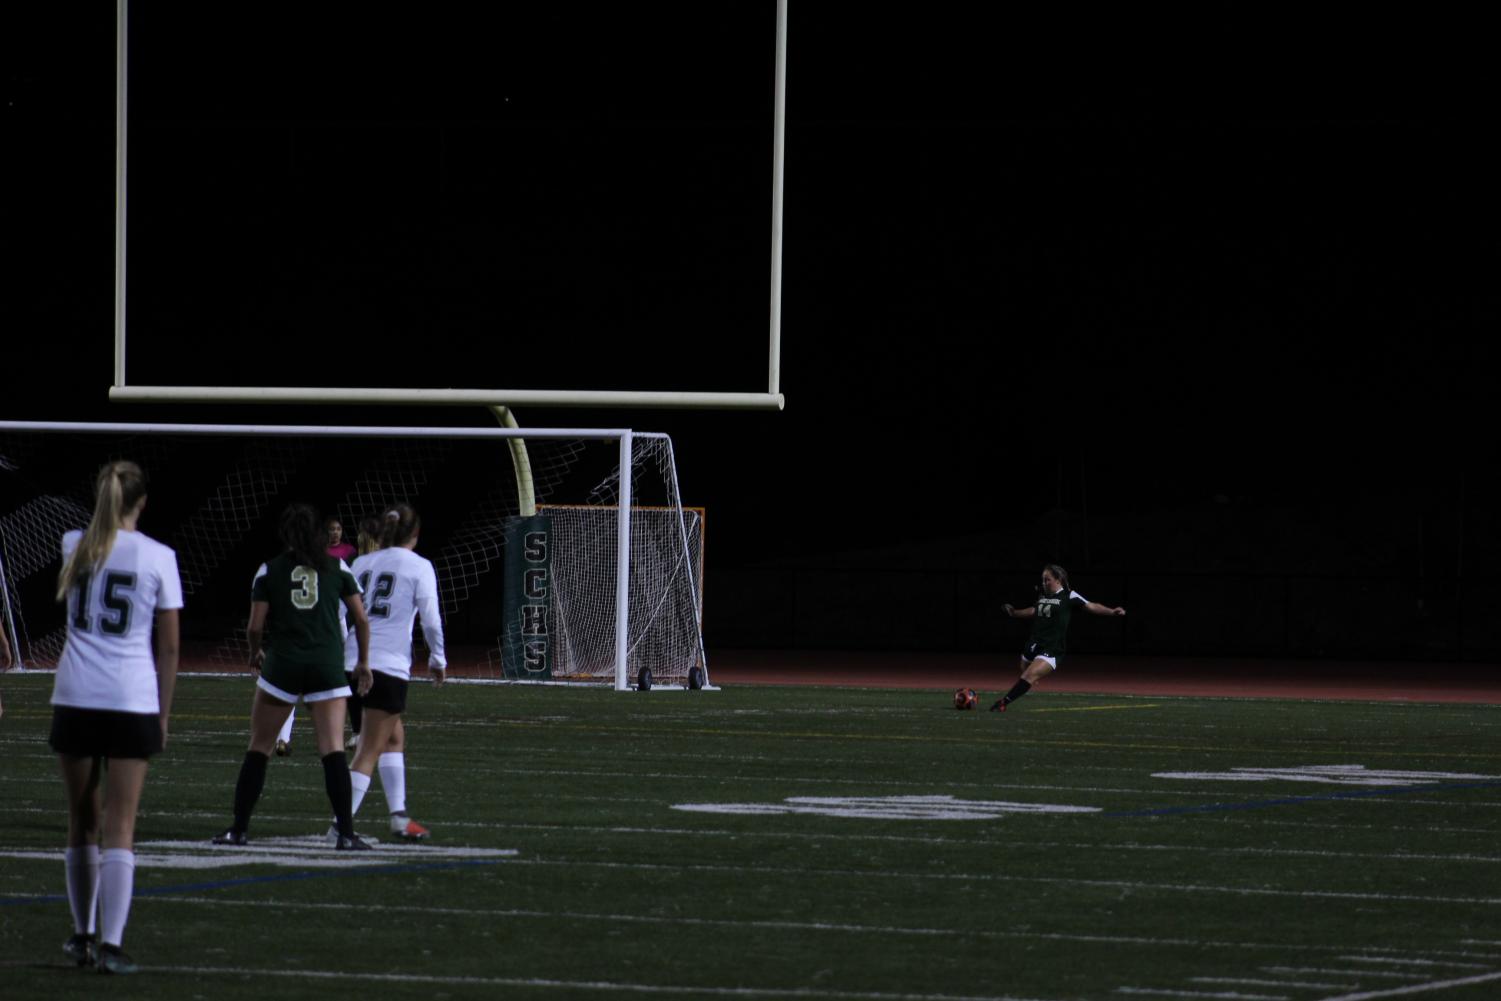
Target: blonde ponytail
{"points": [[118, 489]]}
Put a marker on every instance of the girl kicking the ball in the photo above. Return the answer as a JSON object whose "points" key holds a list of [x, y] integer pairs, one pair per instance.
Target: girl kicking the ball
{"points": [[1050, 618]]}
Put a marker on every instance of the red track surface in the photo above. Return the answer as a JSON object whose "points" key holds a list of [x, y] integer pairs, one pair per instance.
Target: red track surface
{"points": [[1383, 681]]}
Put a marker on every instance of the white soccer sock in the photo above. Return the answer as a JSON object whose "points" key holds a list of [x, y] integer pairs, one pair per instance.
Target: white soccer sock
{"points": [[286, 728], [82, 864], [117, 879], [393, 779], [359, 784]]}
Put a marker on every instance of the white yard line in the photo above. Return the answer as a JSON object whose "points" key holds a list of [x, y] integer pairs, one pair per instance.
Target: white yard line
{"points": [[1436, 985], [678, 920], [1013, 878], [1224, 995], [827, 837], [1416, 962], [1254, 982], [1357, 974], [1246, 891], [614, 986]]}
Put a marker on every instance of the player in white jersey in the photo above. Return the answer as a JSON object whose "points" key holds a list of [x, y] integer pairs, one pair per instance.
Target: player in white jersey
{"points": [[111, 700], [399, 586]]}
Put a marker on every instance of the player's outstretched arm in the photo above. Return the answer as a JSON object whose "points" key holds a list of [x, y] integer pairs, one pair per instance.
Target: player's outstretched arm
{"points": [[255, 631], [1099, 609], [1019, 613]]}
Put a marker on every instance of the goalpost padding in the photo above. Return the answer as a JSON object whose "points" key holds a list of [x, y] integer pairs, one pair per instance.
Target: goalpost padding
{"points": [[217, 490]]}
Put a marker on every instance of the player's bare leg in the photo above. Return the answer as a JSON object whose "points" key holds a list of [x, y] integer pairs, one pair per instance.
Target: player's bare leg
{"points": [[267, 714], [1031, 675], [124, 781], [81, 780], [393, 778]]}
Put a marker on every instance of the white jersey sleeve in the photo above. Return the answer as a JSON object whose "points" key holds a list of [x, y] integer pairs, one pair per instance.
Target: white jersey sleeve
{"points": [[359, 570], [426, 597]]}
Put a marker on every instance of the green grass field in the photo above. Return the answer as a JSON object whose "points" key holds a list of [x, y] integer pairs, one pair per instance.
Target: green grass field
{"points": [[849, 844]]}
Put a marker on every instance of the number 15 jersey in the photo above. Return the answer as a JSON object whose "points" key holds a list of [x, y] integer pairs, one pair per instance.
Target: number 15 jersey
{"points": [[107, 662]]}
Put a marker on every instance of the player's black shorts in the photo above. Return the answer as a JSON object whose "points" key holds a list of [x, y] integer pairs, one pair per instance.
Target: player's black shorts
{"points": [[355, 699], [1035, 650], [104, 733], [388, 694]]}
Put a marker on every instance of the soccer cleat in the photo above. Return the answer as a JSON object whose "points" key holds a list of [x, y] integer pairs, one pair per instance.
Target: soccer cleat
{"points": [[353, 743], [999, 707], [231, 837], [113, 960], [331, 837], [283, 748], [80, 948], [407, 829], [353, 843]]}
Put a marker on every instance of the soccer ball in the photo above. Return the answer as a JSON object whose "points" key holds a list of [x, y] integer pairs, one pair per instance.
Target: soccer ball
{"points": [[964, 698]]}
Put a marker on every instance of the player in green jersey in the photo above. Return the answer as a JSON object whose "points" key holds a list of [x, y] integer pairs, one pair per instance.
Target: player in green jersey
{"points": [[298, 598], [1050, 617]]}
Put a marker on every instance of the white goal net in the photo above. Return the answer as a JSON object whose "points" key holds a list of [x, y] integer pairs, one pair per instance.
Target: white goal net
{"points": [[216, 493]]}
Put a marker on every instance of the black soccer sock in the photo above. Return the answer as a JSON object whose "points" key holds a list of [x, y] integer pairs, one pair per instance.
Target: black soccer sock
{"points": [[1017, 691], [248, 788], [340, 793]]}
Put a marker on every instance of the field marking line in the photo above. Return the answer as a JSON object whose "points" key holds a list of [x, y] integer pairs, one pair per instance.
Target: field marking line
{"points": [[1000, 877], [1259, 804], [1436, 985], [1098, 709], [574, 985], [1253, 982], [1357, 974], [141, 892], [772, 925], [1416, 962], [743, 733], [1224, 995], [1329, 775], [980, 876], [936, 808], [1125, 846]]}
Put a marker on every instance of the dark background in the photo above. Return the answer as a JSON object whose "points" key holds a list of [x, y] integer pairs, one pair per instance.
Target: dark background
{"points": [[1201, 304]]}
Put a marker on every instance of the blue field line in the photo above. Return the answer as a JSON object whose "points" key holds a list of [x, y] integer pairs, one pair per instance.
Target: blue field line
{"points": [[284, 877], [1261, 804]]}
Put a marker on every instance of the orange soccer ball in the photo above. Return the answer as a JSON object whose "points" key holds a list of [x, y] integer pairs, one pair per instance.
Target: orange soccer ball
{"points": [[964, 698]]}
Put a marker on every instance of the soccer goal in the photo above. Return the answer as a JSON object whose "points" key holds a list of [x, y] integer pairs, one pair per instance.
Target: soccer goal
{"points": [[580, 564]]}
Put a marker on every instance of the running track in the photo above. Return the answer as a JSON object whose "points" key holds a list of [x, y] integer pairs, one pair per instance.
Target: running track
{"points": [[1397, 681]]}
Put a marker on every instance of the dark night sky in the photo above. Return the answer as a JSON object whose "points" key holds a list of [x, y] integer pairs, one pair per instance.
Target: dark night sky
{"points": [[1237, 252]]}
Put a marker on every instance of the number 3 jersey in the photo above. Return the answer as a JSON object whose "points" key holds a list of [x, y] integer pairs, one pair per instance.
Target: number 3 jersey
{"points": [[399, 585], [108, 662], [302, 621]]}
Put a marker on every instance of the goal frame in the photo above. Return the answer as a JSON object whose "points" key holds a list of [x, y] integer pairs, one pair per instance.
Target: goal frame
{"points": [[772, 399], [624, 437]]}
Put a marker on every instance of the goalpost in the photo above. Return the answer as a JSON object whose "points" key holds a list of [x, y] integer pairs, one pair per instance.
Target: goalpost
{"points": [[602, 583]]}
